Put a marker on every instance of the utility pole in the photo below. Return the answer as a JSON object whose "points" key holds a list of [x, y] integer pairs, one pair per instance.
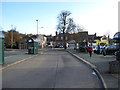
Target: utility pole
{"points": [[11, 36], [37, 26]]}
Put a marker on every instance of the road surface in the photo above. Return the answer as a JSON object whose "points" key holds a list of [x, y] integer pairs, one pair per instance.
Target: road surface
{"points": [[50, 69]]}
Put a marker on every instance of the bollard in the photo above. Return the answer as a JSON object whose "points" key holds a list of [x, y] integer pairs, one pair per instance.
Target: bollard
{"points": [[1, 48]]}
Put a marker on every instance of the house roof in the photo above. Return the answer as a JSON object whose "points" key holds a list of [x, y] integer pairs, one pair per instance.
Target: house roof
{"points": [[98, 37]]}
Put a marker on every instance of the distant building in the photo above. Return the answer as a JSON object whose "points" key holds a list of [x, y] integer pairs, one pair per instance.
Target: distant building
{"points": [[91, 38], [102, 40], [42, 40], [22, 43], [80, 36], [76, 37], [49, 38], [83, 36]]}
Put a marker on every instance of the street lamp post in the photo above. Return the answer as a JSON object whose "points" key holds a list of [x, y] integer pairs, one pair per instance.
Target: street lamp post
{"points": [[40, 28], [37, 26], [11, 36]]}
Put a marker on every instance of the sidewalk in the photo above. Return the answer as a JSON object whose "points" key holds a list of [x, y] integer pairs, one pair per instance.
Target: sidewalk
{"points": [[102, 64]]}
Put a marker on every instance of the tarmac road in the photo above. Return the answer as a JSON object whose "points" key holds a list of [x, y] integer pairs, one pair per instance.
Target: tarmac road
{"points": [[51, 69], [13, 52]]}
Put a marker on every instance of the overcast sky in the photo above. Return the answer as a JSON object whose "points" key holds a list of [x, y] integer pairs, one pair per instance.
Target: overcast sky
{"points": [[96, 16]]}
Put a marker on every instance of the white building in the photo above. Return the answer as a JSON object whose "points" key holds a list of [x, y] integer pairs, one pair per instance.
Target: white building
{"points": [[42, 40]]}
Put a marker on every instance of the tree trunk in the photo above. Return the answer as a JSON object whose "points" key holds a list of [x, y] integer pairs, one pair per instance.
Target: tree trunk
{"points": [[64, 39]]}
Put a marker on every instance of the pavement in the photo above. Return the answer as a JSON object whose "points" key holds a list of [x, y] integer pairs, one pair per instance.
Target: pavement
{"points": [[102, 65]]}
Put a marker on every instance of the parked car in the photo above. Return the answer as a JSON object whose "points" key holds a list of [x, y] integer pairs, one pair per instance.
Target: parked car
{"points": [[111, 49], [61, 46], [49, 44], [56, 46], [116, 52]]}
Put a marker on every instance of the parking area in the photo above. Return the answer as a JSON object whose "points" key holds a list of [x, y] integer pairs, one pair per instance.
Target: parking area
{"points": [[15, 55]]}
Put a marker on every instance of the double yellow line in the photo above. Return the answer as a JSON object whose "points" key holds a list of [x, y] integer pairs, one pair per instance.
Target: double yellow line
{"points": [[4, 67]]}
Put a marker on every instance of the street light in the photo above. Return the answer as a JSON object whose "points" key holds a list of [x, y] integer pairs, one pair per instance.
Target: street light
{"points": [[40, 28], [11, 36], [37, 26]]}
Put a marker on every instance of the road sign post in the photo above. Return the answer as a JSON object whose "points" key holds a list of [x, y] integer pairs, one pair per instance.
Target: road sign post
{"points": [[1, 48]]}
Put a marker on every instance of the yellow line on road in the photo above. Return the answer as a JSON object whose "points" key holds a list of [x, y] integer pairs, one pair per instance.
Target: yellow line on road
{"points": [[17, 62]]}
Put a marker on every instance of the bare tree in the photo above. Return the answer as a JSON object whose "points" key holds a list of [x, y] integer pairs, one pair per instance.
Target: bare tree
{"points": [[79, 28], [71, 26], [65, 25]]}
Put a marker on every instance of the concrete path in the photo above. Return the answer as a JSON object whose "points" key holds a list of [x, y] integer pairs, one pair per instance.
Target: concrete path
{"points": [[51, 69]]}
